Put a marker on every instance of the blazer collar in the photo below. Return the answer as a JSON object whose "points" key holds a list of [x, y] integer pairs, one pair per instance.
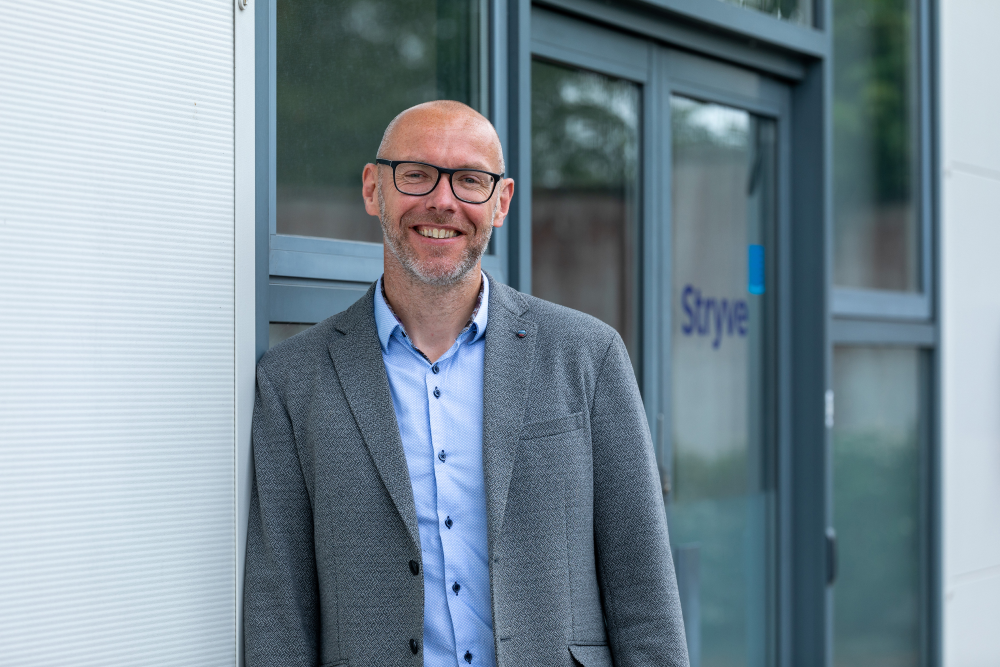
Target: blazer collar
{"points": [[507, 369], [357, 358]]}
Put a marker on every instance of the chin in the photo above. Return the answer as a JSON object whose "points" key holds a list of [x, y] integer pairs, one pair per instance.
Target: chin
{"points": [[441, 268], [438, 275]]}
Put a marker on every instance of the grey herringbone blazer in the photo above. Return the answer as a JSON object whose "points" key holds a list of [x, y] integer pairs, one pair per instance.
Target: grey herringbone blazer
{"points": [[580, 567]]}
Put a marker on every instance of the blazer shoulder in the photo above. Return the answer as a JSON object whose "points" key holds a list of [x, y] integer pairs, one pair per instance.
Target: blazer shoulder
{"points": [[551, 315], [569, 324]]}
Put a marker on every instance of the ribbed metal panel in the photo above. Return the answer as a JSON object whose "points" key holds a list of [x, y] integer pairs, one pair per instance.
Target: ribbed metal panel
{"points": [[116, 333]]}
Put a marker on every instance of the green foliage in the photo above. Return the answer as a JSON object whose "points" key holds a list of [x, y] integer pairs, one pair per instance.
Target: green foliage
{"points": [[874, 101], [798, 11], [584, 129]]}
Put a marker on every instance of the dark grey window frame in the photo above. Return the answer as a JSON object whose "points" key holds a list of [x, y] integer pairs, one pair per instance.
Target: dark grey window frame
{"points": [[823, 316], [326, 276], [309, 278], [908, 306]]}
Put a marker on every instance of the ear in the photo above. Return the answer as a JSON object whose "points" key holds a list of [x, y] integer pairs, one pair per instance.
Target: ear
{"points": [[506, 193], [369, 178]]}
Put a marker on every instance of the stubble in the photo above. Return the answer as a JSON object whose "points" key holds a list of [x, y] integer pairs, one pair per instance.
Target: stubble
{"points": [[428, 272]]}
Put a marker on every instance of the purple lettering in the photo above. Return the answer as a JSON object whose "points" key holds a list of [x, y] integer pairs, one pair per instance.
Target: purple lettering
{"points": [[689, 327]]}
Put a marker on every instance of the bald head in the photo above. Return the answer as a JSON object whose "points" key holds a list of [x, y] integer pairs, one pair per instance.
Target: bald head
{"points": [[437, 117]]}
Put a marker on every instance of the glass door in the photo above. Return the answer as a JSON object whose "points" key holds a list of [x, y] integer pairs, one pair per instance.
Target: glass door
{"points": [[722, 445]]}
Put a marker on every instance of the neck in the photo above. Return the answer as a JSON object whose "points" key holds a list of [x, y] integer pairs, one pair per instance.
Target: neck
{"points": [[432, 315]]}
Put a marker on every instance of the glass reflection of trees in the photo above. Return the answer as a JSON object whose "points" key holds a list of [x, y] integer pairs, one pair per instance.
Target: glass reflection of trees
{"points": [[584, 129], [344, 69], [794, 11], [874, 116], [585, 164]]}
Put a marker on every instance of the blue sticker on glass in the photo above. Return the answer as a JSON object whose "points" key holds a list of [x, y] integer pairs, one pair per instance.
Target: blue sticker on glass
{"points": [[755, 283]]}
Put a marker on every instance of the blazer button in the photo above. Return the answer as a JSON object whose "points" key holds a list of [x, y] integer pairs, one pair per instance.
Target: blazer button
{"points": [[414, 567], [521, 333], [414, 646]]}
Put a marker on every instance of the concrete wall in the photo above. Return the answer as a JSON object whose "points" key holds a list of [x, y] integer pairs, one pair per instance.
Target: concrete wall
{"points": [[970, 317]]}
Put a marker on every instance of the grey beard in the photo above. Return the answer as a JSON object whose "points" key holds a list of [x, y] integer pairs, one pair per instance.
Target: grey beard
{"points": [[404, 254]]}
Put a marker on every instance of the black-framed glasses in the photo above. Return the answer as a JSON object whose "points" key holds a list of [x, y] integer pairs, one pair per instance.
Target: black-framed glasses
{"points": [[473, 186]]}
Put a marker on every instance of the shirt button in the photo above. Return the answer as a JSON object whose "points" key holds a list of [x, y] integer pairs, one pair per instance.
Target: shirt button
{"points": [[442, 455], [437, 393], [456, 587], [448, 522], [414, 646], [468, 657], [435, 369], [414, 567]]}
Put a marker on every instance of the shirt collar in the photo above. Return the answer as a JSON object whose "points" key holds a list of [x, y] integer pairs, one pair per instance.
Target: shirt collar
{"points": [[386, 321]]}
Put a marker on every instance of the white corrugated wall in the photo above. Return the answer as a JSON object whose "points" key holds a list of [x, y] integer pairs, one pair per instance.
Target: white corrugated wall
{"points": [[117, 524]]}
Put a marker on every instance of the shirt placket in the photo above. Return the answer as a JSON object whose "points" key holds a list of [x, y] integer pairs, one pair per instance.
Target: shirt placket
{"points": [[452, 519]]}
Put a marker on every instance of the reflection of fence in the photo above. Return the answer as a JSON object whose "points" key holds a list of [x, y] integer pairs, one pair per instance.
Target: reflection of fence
{"points": [[687, 564]]}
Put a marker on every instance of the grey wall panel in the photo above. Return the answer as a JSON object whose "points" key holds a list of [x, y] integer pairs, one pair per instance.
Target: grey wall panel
{"points": [[116, 333]]}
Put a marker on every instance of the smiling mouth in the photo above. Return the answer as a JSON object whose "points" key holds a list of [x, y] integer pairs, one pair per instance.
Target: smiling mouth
{"points": [[436, 233]]}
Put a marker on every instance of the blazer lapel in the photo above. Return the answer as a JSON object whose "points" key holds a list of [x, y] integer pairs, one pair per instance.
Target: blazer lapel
{"points": [[507, 367], [357, 358]]}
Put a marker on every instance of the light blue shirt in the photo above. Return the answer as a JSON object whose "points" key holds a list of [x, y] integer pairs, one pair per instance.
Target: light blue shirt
{"points": [[439, 409]]}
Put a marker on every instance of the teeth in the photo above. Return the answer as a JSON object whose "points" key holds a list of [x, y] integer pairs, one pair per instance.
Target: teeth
{"points": [[435, 233]]}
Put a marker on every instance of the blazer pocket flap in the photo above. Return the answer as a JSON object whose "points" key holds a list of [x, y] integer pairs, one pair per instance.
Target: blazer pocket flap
{"points": [[591, 655], [553, 426]]}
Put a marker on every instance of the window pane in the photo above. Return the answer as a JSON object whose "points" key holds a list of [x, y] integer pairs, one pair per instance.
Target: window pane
{"points": [[795, 11], [345, 68], [876, 501], [584, 210], [722, 506], [876, 221], [279, 331]]}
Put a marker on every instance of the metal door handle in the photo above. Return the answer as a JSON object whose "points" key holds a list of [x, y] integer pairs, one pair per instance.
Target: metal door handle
{"points": [[831, 556]]}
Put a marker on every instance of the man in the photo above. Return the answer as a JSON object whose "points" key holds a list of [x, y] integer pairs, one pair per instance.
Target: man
{"points": [[451, 472]]}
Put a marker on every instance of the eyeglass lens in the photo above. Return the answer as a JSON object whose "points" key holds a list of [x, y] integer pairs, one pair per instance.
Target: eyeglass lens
{"points": [[413, 178]]}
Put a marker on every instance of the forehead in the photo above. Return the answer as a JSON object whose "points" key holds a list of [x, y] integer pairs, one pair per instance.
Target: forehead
{"points": [[449, 140]]}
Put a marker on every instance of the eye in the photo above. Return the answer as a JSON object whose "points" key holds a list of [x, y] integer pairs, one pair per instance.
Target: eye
{"points": [[474, 180]]}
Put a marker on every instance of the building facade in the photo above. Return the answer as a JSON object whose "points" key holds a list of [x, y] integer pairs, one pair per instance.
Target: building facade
{"points": [[787, 208]]}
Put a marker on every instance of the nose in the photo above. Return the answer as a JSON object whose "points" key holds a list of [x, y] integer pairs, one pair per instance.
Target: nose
{"points": [[442, 197]]}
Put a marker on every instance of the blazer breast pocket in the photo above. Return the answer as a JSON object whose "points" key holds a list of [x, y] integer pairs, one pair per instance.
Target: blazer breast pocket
{"points": [[591, 655], [541, 429]]}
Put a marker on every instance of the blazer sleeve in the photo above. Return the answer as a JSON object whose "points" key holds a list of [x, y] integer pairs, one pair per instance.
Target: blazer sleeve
{"points": [[280, 595], [635, 568]]}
